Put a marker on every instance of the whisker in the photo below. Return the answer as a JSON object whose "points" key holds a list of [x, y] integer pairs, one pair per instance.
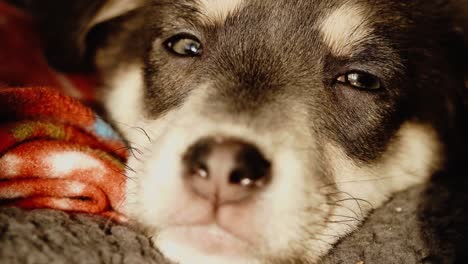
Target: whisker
{"points": [[348, 217], [351, 198], [140, 129], [144, 132], [356, 181], [132, 150], [345, 207], [342, 223], [357, 200], [139, 146], [127, 167]]}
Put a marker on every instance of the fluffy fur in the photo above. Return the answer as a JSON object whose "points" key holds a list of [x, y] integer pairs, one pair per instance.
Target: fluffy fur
{"points": [[268, 75]]}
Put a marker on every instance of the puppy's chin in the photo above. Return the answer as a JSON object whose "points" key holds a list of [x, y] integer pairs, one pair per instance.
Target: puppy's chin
{"points": [[203, 244]]}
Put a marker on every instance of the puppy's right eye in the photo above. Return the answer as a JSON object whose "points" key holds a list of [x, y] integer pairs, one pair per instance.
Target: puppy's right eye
{"points": [[360, 80], [184, 44]]}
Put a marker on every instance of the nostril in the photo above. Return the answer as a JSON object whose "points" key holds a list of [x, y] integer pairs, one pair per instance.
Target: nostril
{"points": [[253, 169], [196, 159], [238, 176], [200, 170], [225, 169], [245, 179]]}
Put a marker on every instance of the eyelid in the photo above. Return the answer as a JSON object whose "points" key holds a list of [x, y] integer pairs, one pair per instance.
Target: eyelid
{"points": [[179, 36], [167, 34]]}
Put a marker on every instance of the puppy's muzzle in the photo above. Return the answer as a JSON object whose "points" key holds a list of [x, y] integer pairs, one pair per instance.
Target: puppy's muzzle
{"points": [[225, 170]]}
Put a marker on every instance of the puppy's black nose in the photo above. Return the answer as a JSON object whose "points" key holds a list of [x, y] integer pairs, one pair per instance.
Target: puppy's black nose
{"points": [[225, 170]]}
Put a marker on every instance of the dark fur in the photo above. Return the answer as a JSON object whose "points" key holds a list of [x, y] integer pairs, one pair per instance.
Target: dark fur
{"points": [[415, 52]]}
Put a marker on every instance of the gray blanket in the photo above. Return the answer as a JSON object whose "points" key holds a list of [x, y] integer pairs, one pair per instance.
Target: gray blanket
{"points": [[408, 229]]}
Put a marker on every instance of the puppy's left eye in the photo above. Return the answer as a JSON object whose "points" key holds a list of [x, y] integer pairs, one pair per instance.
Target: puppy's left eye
{"points": [[360, 80], [184, 45]]}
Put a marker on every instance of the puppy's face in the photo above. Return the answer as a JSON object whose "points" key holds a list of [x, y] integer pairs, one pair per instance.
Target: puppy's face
{"points": [[266, 130]]}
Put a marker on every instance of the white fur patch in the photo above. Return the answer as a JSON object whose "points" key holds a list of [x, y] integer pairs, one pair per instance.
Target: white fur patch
{"points": [[218, 10], [344, 28], [410, 160], [125, 99], [115, 8]]}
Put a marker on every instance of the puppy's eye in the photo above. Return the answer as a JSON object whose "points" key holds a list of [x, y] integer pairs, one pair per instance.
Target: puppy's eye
{"points": [[184, 45], [360, 80]]}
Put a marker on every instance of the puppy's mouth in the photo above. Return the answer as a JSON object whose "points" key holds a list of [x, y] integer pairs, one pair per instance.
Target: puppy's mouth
{"points": [[217, 226], [228, 230], [208, 239]]}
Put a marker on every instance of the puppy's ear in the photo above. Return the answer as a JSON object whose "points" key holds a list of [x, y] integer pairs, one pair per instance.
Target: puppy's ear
{"points": [[65, 26]]}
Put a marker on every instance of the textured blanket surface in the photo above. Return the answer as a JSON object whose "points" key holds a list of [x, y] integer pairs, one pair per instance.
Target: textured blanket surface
{"points": [[55, 152], [394, 234]]}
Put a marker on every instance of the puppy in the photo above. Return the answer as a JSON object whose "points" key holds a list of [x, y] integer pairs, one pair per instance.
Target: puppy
{"points": [[265, 131]]}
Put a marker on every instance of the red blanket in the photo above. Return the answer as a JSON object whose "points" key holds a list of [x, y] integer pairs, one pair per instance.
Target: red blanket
{"points": [[55, 152]]}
